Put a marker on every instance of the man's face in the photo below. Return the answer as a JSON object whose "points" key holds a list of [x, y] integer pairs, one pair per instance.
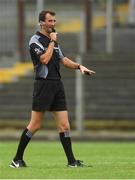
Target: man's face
{"points": [[50, 22]]}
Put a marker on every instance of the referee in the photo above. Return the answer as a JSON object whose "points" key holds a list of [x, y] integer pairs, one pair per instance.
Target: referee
{"points": [[48, 93]]}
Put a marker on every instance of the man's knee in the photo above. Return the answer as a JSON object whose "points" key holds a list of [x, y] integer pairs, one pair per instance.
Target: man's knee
{"points": [[35, 122], [63, 127], [35, 126]]}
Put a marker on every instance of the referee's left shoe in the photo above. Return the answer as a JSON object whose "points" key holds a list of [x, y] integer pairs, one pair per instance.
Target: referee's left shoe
{"points": [[18, 164]]}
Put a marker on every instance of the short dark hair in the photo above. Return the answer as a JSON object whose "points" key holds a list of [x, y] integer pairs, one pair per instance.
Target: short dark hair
{"points": [[42, 15]]}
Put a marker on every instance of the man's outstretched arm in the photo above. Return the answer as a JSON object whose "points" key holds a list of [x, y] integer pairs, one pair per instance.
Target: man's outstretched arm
{"points": [[73, 65]]}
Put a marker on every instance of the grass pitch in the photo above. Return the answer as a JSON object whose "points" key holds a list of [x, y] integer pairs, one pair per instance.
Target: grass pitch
{"points": [[47, 161]]}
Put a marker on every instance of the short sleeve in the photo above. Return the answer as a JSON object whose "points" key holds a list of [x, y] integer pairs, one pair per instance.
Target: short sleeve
{"points": [[61, 54], [36, 47], [36, 50]]}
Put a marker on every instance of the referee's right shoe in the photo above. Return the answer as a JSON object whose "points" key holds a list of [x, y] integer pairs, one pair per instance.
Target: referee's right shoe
{"points": [[77, 163], [18, 164]]}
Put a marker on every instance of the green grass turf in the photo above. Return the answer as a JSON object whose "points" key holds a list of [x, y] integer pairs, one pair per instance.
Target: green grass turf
{"points": [[47, 160]]}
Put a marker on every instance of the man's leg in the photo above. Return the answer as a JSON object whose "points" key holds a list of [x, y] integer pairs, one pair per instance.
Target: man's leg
{"points": [[33, 126], [64, 133]]}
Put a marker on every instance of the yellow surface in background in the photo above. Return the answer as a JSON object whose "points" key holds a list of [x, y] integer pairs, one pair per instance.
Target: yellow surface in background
{"points": [[122, 9], [75, 25], [10, 74]]}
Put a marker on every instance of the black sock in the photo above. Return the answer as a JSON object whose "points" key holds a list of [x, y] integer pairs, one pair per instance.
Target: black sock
{"points": [[25, 138], [66, 142]]}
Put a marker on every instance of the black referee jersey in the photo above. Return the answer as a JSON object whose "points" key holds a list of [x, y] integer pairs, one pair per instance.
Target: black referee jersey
{"points": [[38, 45]]}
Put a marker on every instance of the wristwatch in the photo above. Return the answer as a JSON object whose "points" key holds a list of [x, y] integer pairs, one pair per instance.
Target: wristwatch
{"points": [[78, 66], [52, 41]]}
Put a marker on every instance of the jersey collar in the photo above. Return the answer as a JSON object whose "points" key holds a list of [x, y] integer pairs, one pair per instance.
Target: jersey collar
{"points": [[42, 35]]}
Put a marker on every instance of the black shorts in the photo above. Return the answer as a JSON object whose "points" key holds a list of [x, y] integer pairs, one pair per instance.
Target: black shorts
{"points": [[49, 95]]}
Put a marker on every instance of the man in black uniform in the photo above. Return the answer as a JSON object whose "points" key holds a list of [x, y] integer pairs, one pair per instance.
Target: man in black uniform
{"points": [[48, 94]]}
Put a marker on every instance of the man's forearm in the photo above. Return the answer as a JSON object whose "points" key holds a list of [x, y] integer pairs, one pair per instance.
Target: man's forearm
{"points": [[45, 58], [70, 64]]}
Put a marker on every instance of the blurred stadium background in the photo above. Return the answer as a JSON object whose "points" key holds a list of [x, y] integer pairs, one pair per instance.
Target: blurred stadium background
{"points": [[101, 34]]}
